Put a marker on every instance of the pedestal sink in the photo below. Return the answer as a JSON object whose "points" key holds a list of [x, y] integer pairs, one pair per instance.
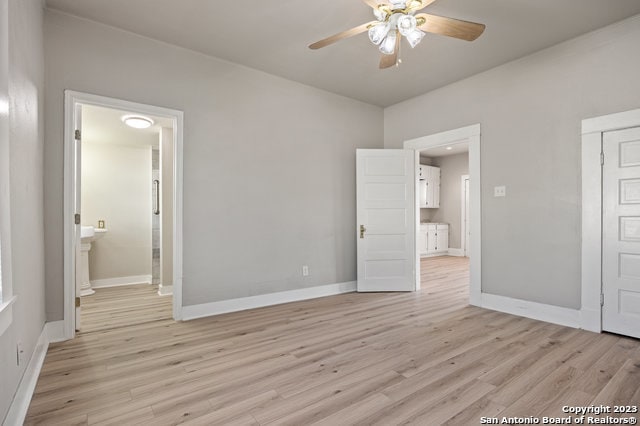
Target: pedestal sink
{"points": [[88, 234]]}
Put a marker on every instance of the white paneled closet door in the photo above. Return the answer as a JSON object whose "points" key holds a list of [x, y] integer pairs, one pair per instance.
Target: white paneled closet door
{"points": [[621, 232]]}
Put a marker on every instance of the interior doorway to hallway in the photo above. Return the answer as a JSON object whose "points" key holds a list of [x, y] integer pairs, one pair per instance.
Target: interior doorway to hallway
{"points": [[469, 139]]}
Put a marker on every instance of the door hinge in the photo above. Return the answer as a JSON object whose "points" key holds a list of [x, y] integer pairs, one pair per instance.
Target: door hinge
{"points": [[601, 299], [76, 219], [77, 302], [602, 158], [78, 135]]}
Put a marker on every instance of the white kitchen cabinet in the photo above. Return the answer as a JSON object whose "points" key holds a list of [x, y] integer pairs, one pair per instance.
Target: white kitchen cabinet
{"points": [[429, 186], [422, 240], [422, 171], [442, 237], [433, 239]]}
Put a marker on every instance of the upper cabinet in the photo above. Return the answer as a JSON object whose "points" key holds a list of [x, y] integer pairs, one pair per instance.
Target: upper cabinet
{"points": [[429, 186]]}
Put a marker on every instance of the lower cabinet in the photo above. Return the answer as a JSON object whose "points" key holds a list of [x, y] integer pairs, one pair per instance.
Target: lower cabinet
{"points": [[433, 239]]}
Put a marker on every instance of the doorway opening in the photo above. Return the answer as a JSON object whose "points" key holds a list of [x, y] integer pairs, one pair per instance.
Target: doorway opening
{"points": [[445, 163], [123, 198]]}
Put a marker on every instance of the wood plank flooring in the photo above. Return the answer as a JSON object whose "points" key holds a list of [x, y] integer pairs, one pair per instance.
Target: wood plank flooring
{"points": [[424, 358], [114, 307]]}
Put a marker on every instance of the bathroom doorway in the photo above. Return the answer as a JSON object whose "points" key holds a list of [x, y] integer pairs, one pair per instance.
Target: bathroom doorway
{"points": [[123, 196]]}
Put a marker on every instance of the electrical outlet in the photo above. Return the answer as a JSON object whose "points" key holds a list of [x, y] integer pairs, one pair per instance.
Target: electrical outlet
{"points": [[19, 354], [305, 271], [500, 191]]}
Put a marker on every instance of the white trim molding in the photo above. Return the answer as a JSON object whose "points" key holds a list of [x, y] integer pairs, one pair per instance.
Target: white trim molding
{"points": [[471, 135], [6, 314], [165, 290], [54, 331], [538, 311], [51, 332], [251, 302], [73, 99], [120, 281], [457, 252], [592, 134], [463, 217]]}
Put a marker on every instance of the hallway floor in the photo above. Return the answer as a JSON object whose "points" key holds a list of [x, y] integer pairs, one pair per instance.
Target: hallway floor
{"points": [[114, 307]]}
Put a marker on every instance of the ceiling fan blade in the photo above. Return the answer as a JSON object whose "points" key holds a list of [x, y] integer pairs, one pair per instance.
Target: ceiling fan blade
{"points": [[388, 61], [372, 3], [450, 27], [344, 34], [415, 5]]}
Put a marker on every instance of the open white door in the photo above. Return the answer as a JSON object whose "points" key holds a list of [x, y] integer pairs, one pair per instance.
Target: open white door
{"points": [[386, 211], [77, 177], [621, 232]]}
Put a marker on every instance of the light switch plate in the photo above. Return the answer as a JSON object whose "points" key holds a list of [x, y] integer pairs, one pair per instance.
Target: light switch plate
{"points": [[500, 191]]}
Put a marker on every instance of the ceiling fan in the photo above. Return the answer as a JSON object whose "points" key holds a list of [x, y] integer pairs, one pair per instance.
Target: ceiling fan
{"points": [[397, 18]]}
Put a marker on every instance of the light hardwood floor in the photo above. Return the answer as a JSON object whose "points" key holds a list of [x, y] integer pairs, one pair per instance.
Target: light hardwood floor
{"points": [[114, 307], [422, 358]]}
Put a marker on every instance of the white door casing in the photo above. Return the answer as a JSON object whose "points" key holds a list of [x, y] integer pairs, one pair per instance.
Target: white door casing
{"points": [[72, 99], [471, 135], [464, 216], [621, 232], [386, 219], [77, 147]]}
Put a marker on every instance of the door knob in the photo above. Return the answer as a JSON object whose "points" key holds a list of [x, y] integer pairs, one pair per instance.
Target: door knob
{"points": [[362, 231]]}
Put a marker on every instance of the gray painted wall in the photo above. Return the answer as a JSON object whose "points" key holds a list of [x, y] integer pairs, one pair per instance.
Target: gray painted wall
{"points": [[25, 88], [452, 167], [269, 164], [531, 111]]}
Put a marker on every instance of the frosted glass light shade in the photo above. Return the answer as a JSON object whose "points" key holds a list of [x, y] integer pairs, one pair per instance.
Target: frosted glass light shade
{"points": [[380, 15], [388, 45], [415, 37], [378, 33], [137, 121], [406, 24]]}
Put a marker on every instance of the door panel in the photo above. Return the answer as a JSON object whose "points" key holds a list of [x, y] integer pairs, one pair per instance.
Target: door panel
{"points": [[386, 219], [621, 232]]}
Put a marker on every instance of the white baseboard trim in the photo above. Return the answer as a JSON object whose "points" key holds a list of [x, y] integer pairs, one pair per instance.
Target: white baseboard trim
{"points": [[251, 302], [165, 290], [119, 281], [55, 331], [51, 332], [439, 253], [591, 320], [538, 311], [458, 252]]}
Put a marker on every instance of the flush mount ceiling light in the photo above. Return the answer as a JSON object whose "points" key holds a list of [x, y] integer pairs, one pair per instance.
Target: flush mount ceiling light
{"points": [[137, 121], [397, 19]]}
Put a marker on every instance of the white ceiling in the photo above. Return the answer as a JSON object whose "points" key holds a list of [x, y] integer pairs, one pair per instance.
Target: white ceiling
{"points": [[105, 126], [273, 37], [446, 150]]}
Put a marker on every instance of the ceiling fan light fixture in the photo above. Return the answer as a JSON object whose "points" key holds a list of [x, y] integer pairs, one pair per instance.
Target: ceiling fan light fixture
{"points": [[380, 15], [388, 45], [378, 32], [406, 24], [398, 4], [415, 37]]}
